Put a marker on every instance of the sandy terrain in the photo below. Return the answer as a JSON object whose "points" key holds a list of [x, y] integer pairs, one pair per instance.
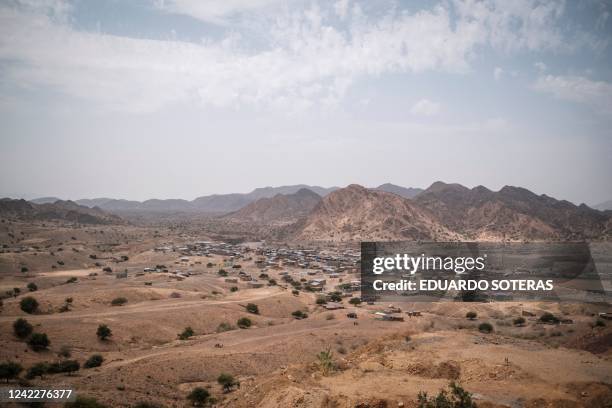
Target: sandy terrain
{"points": [[375, 363]]}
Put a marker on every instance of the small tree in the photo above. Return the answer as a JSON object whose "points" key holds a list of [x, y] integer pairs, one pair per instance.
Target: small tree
{"points": [[252, 308], [24, 269], [228, 382], [471, 315], [335, 297], [37, 370], [199, 396], [32, 287], [29, 305], [549, 318], [22, 328], [355, 301], [95, 360], [485, 327], [222, 272], [104, 332], [39, 341], [244, 323], [10, 370], [187, 333]]}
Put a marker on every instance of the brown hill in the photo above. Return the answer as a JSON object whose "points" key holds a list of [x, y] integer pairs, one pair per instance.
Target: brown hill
{"points": [[67, 211], [356, 213], [280, 209], [512, 213]]}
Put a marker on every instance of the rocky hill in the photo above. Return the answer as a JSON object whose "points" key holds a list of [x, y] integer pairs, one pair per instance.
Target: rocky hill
{"points": [[278, 210], [67, 211], [357, 213], [409, 192]]}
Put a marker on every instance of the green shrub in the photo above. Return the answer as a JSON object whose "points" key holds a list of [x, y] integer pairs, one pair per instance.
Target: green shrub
{"points": [[119, 301], [519, 321], [321, 300], [22, 328], [104, 332], [252, 308], [298, 314], [355, 301], [187, 333], [223, 327], [32, 287], [471, 315], [485, 327], [39, 341], [199, 396], [222, 272], [234, 289], [29, 305], [72, 279], [244, 323], [228, 382], [549, 318], [95, 360], [10, 370], [37, 370], [457, 398]]}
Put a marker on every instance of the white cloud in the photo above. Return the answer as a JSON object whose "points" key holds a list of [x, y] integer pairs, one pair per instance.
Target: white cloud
{"points": [[425, 107], [307, 61], [341, 8], [596, 94], [540, 66]]}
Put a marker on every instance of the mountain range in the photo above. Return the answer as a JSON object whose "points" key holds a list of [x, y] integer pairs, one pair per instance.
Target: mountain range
{"points": [[387, 212]]}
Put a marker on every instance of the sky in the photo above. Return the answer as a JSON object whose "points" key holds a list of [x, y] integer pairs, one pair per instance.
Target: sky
{"points": [[184, 98]]}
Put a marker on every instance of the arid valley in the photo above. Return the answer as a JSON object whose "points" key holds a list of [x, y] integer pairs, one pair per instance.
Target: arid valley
{"points": [[254, 294]]}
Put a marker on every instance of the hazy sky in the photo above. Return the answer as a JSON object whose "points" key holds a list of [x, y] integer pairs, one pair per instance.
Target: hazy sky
{"points": [[182, 98]]}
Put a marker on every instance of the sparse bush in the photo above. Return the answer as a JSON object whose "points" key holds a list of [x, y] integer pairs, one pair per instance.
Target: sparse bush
{"points": [[29, 305], [228, 382], [298, 314], [222, 272], [325, 361], [24, 269], [600, 323], [72, 279], [549, 318], [37, 370], [32, 287], [519, 321], [119, 301], [335, 297], [321, 300], [95, 360], [39, 341], [244, 323], [252, 308], [485, 327], [22, 328], [234, 289], [223, 327], [199, 396], [175, 295], [272, 282], [458, 398], [295, 292], [70, 366], [471, 315], [69, 300], [107, 269], [187, 333], [104, 332], [10, 370]]}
